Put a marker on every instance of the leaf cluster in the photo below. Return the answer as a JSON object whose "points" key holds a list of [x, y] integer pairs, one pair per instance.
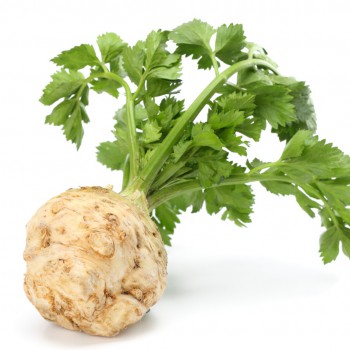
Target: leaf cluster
{"points": [[317, 174], [196, 163]]}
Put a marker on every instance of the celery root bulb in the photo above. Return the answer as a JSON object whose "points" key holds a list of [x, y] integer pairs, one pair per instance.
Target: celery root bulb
{"points": [[95, 261]]}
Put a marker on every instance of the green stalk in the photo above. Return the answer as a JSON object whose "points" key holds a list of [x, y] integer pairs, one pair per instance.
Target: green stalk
{"points": [[126, 173], [140, 86], [131, 125], [181, 188], [172, 168], [149, 173], [168, 173], [264, 166], [215, 63], [132, 136], [187, 186]]}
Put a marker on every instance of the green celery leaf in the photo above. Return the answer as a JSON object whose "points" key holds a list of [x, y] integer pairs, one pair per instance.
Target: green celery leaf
{"points": [[159, 87], [237, 201], [306, 203], [255, 163], [169, 109], [180, 149], [320, 173], [73, 128], [151, 132], [170, 60], [279, 188], [85, 96], [148, 153], [116, 66], [252, 127], [166, 215], [230, 40], [155, 47], [338, 197], [171, 105], [172, 73], [115, 154], [305, 112], [203, 135], [273, 103], [300, 99], [112, 154], [106, 85], [197, 52], [242, 101], [329, 244], [77, 58], [111, 46], [151, 61], [252, 77], [160, 66], [345, 241], [84, 115], [61, 112], [283, 187], [64, 84], [166, 218], [193, 39], [133, 59], [233, 142], [140, 116], [303, 105], [295, 147], [213, 167], [195, 32], [151, 106], [194, 199], [317, 159], [232, 118]]}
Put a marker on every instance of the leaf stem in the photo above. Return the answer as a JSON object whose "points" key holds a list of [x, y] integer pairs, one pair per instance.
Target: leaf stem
{"points": [[140, 86], [178, 189], [149, 173], [215, 63], [312, 191], [168, 173], [172, 168], [258, 168], [131, 124]]}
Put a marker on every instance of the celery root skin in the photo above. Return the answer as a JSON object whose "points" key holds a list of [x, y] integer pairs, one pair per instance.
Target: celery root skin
{"points": [[95, 261]]}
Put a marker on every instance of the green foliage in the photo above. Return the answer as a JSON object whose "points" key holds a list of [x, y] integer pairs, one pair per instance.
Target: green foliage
{"points": [[133, 59], [230, 41], [77, 58], [64, 84], [193, 39], [203, 135], [112, 154], [274, 105], [237, 201], [105, 85], [150, 65], [317, 174], [111, 46], [195, 164]]}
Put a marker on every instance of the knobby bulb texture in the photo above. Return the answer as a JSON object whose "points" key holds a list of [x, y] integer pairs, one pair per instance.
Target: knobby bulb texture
{"points": [[95, 261]]}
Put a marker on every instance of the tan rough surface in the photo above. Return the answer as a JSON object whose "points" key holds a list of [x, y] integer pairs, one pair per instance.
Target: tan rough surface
{"points": [[95, 261]]}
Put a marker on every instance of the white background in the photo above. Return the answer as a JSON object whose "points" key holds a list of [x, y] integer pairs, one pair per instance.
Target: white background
{"points": [[263, 287]]}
